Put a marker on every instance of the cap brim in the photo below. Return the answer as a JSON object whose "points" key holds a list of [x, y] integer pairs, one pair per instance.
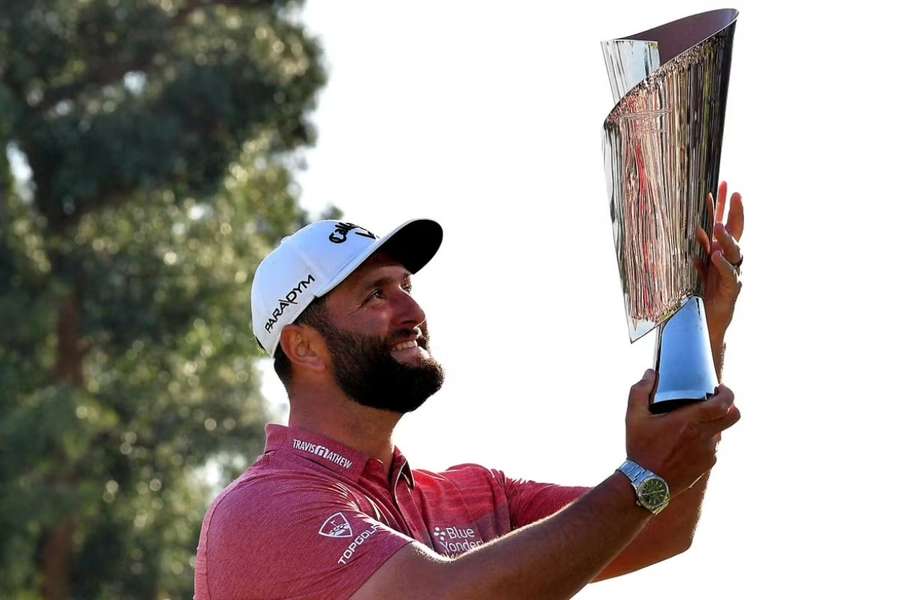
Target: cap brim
{"points": [[412, 244]]}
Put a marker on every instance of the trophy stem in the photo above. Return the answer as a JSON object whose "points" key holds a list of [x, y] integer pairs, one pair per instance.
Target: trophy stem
{"points": [[684, 363]]}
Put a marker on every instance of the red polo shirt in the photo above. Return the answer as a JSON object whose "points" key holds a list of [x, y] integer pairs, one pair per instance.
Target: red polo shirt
{"points": [[314, 519]]}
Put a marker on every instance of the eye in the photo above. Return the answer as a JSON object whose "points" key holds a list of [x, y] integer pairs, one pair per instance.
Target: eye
{"points": [[375, 293]]}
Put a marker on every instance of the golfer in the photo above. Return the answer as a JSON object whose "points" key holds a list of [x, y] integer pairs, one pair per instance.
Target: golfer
{"points": [[332, 508]]}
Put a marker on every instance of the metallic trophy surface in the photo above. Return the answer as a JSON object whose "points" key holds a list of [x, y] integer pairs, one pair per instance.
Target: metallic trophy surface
{"points": [[662, 145]]}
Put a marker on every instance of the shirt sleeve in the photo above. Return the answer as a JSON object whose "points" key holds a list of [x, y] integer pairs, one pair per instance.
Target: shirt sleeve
{"points": [[531, 501], [310, 540]]}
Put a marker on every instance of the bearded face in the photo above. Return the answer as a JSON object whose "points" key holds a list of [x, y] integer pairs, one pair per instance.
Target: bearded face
{"points": [[366, 368]]}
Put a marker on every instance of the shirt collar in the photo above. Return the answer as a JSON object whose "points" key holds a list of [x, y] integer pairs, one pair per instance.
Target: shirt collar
{"points": [[332, 454], [401, 468]]}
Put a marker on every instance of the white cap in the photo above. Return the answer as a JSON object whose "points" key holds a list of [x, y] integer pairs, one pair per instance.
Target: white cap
{"points": [[314, 260]]}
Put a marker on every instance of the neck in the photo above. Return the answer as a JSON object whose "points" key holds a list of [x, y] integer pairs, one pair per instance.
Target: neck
{"points": [[362, 428]]}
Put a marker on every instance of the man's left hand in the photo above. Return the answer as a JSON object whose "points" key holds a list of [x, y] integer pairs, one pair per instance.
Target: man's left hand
{"points": [[721, 275]]}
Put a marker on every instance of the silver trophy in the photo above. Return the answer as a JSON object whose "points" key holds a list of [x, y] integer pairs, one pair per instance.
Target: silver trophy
{"points": [[662, 146]]}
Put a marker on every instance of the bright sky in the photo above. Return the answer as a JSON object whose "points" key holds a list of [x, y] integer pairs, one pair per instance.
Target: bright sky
{"points": [[487, 116]]}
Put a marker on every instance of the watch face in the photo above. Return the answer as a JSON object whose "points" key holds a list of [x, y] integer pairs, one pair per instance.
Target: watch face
{"points": [[654, 492]]}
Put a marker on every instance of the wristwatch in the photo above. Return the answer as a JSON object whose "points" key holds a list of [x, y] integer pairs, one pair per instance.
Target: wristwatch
{"points": [[651, 489]]}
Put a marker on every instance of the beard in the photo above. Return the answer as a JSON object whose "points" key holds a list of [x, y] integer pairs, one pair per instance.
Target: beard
{"points": [[365, 370]]}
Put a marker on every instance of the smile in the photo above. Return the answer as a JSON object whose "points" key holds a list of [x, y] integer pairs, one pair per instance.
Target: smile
{"points": [[404, 345]]}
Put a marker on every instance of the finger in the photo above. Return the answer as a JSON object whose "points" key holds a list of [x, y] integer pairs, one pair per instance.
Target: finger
{"points": [[715, 428], [728, 244], [701, 270], [736, 216], [702, 239], [727, 272], [639, 396], [710, 206], [733, 416], [720, 201], [713, 409]]}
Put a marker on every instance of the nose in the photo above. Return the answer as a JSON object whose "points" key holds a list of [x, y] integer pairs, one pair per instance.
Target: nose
{"points": [[409, 313]]}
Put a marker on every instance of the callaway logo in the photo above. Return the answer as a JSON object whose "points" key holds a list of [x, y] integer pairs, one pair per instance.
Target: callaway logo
{"points": [[339, 235], [336, 526], [289, 298]]}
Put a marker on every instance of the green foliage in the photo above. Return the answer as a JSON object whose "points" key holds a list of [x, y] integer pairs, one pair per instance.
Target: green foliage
{"points": [[154, 132]]}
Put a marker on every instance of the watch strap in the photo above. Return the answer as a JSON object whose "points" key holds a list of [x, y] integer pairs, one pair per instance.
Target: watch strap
{"points": [[634, 472], [637, 475]]}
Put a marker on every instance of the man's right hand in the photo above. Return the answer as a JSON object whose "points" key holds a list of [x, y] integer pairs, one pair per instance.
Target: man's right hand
{"points": [[590, 532], [679, 446]]}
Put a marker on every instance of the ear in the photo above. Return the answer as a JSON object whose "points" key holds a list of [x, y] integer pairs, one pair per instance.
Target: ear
{"points": [[304, 347]]}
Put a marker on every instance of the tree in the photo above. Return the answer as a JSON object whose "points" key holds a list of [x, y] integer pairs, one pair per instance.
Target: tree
{"points": [[156, 135]]}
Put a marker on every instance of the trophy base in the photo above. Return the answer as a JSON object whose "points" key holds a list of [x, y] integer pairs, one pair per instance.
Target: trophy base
{"points": [[684, 364], [659, 407]]}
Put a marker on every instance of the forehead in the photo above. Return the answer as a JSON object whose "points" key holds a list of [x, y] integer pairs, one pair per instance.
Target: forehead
{"points": [[380, 264]]}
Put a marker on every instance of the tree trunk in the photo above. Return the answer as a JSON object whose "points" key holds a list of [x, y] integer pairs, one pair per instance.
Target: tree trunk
{"points": [[69, 347], [56, 554]]}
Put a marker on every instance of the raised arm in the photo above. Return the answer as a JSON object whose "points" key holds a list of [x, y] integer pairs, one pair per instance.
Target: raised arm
{"points": [[557, 556], [672, 531]]}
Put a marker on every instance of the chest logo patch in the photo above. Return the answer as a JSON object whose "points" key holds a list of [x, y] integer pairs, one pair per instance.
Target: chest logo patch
{"points": [[336, 526], [453, 541]]}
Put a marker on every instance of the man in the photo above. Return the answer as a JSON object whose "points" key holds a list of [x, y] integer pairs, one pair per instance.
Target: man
{"points": [[332, 509]]}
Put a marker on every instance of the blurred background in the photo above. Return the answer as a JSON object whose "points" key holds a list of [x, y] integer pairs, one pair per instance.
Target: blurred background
{"points": [[155, 150], [149, 164]]}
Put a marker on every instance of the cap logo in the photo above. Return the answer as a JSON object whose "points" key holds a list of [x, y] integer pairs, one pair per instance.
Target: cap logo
{"points": [[289, 299], [342, 229]]}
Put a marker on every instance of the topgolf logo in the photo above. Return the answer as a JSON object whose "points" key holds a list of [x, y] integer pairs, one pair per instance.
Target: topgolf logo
{"points": [[336, 526]]}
